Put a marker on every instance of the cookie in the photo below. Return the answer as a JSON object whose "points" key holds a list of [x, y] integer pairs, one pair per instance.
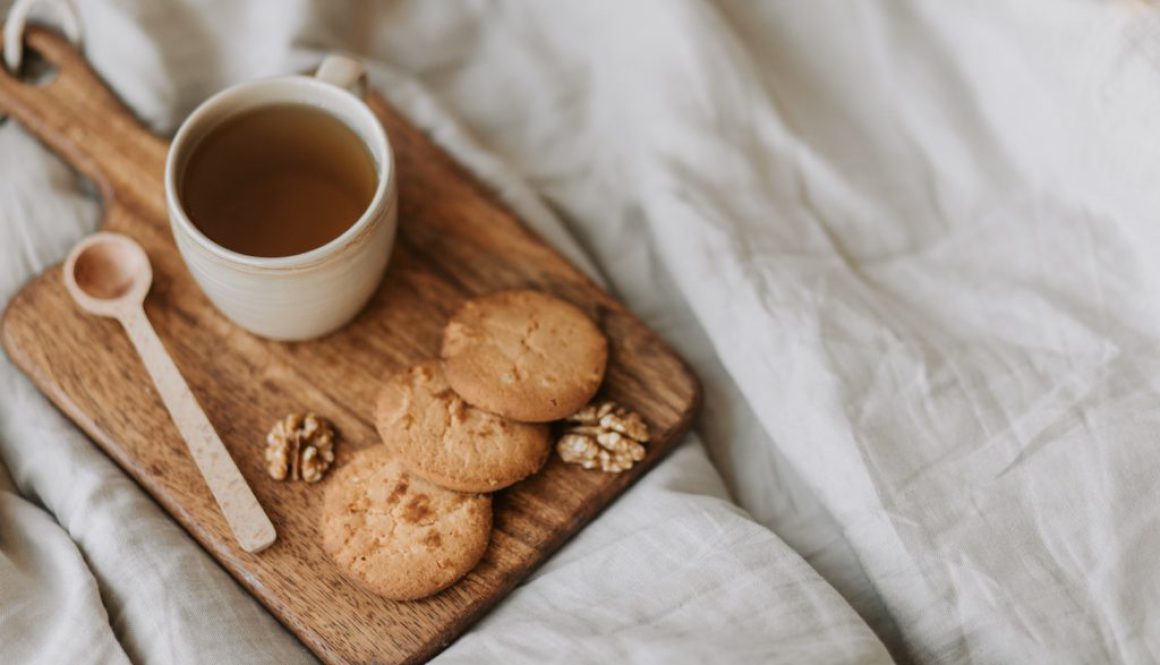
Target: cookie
{"points": [[437, 436], [397, 535], [524, 355]]}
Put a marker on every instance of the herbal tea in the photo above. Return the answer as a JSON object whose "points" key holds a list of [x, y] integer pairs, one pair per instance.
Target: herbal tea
{"points": [[278, 181]]}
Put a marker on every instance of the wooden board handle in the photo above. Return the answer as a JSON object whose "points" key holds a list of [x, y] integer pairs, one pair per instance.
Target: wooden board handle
{"points": [[79, 118]]}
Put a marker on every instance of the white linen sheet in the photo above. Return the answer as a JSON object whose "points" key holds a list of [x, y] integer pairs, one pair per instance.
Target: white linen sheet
{"points": [[908, 247]]}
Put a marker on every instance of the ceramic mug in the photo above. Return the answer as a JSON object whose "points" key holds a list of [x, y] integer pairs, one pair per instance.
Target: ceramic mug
{"points": [[305, 295]]}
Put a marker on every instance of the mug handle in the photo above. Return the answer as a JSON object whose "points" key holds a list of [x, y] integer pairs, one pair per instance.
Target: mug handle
{"points": [[344, 72]]}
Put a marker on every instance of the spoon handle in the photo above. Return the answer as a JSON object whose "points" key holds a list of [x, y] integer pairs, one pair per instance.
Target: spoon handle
{"points": [[251, 526]]}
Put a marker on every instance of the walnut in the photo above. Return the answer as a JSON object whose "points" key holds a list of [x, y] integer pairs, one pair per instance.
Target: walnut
{"points": [[605, 436], [300, 447]]}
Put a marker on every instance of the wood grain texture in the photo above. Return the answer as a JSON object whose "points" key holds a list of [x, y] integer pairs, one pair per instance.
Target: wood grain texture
{"points": [[455, 241]]}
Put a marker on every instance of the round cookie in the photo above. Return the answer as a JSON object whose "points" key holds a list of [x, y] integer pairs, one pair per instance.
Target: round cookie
{"points": [[524, 355], [397, 535], [437, 436]]}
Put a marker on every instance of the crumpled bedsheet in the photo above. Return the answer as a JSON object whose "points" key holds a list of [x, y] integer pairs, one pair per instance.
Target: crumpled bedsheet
{"points": [[908, 246]]}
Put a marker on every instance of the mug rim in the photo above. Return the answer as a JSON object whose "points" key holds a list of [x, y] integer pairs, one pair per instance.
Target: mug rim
{"points": [[199, 116]]}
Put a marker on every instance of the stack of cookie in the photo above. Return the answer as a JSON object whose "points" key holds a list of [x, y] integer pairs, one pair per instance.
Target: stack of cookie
{"points": [[409, 518]]}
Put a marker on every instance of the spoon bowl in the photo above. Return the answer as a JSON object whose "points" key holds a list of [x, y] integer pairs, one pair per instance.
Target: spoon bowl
{"points": [[108, 274]]}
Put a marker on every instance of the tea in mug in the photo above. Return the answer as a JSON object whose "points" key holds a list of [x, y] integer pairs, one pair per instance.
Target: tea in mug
{"points": [[278, 181]]}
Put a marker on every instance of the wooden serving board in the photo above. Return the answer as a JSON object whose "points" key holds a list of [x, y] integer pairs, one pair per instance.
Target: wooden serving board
{"points": [[455, 241]]}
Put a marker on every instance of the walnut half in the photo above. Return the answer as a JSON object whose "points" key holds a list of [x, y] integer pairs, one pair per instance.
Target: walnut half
{"points": [[300, 447], [605, 436]]}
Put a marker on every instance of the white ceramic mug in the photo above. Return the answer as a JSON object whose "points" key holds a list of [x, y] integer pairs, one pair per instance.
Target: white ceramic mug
{"points": [[305, 295]]}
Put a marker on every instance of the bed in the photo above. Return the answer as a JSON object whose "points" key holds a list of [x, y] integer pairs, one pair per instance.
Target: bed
{"points": [[909, 247]]}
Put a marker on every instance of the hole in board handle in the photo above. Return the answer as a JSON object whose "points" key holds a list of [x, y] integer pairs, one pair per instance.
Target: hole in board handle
{"points": [[35, 69]]}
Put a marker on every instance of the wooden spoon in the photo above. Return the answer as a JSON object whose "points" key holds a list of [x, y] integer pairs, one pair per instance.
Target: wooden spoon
{"points": [[108, 274]]}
